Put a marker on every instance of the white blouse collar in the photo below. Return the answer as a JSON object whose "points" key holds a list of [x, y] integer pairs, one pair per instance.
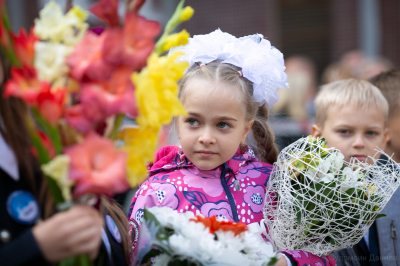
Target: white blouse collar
{"points": [[8, 161]]}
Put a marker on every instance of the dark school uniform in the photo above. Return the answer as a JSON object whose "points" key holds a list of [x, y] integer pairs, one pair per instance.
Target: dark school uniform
{"points": [[18, 247], [381, 246]]}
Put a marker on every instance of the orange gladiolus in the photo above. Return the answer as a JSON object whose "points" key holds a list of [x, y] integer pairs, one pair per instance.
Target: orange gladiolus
{"points": [[214, 225]]}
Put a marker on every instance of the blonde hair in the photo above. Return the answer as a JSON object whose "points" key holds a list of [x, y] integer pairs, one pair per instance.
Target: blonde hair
{"points": [[265, 149], [358, 93]]}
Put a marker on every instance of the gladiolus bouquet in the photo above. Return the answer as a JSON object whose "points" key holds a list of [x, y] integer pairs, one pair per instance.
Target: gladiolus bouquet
{"points": [[171, 238], [319, 203], [80, 84]]}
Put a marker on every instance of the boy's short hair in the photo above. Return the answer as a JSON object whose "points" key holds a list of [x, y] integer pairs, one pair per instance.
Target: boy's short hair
{"points": [[358, 93], [389, 84]]}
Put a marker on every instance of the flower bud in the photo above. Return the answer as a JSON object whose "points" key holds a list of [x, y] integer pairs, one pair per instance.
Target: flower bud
{"points": [[187, 13]]}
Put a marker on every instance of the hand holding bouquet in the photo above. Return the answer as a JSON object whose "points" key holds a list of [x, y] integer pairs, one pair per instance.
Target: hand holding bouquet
{"points": [[319, 203], [171, 238]]}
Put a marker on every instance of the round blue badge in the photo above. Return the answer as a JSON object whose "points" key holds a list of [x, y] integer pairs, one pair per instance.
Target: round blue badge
{"points": [[112, 227], [23, 207]]}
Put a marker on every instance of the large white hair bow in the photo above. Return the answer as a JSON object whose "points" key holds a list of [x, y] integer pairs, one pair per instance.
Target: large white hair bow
{"points": [[260, 62]]}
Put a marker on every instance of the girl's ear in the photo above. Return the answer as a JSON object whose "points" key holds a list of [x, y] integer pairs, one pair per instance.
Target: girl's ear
{"points": [[247, 130]]}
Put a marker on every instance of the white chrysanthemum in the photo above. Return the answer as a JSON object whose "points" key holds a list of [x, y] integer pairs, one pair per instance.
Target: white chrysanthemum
{"points": [[50, 60], [161, 260]]}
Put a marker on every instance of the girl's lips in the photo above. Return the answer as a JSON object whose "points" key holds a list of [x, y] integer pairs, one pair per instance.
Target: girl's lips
{"points": [[360, 157], [205, 153]]}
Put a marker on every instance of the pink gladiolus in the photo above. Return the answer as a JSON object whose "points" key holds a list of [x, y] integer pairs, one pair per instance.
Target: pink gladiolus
{"points": [[99, 100], [97, 167], [86, 61], [76, 118], [107, 11], [132, 44], [103, 99]]}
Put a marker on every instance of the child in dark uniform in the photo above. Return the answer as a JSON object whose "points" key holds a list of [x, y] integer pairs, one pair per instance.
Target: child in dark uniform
{"points": [[24, 201]]}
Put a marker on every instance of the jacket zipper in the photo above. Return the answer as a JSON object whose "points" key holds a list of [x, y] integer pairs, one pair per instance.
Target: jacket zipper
{"points": [[394, 237], [224, 169]]}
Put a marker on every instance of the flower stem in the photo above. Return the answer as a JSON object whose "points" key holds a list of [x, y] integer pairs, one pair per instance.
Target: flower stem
{"points": [[118, 122]]}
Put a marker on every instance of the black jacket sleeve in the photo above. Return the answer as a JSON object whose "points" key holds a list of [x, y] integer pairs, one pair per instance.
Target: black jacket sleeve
{"points": [[22, 251]]}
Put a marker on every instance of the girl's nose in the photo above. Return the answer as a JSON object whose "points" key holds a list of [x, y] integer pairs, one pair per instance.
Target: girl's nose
{"points": [[207, 137], [359, 142]]}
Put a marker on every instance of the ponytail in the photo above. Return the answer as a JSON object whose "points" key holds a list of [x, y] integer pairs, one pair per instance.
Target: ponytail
{"points": [[265, 140], [116, 213]]}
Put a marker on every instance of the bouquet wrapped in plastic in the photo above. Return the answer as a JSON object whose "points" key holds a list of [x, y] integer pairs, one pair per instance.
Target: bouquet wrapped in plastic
{"points": [[171, 238], [317, 202]]}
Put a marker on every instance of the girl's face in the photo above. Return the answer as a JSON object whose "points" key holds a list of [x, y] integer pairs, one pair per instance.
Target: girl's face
{"points": [[216, 123]]}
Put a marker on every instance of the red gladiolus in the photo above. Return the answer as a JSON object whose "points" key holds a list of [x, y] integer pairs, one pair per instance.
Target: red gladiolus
{"points": [[24, 84], [50, 103], [47, 144], [107, 11], [132, 44], [97, 167], [24, 46]]}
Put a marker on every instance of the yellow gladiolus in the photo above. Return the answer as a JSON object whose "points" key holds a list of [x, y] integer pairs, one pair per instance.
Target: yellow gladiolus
{"points": [[139, 144], [176, 39], [156, 90], [57, 169], [187, 13]]}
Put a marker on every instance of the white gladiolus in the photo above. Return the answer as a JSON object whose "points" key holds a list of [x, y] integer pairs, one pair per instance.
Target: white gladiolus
{"points": [[50, 60]]}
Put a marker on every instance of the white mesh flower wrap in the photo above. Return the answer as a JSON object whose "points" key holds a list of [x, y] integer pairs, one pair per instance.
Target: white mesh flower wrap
{"points": [[260, 62], [317, 202]]}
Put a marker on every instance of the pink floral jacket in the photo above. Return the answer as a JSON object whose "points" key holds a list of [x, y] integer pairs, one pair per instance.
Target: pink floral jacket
{"points": [[176, 182]]}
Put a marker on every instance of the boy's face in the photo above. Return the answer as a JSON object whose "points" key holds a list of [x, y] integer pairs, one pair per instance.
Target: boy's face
{"points": [[355, 132]]}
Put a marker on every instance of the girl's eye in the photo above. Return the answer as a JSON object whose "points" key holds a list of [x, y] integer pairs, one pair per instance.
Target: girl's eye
{"points": [[192, 122], [371, 133], [223, 126]]}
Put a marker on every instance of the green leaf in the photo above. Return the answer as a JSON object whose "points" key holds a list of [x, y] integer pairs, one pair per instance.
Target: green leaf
{"points": [[80, 260], [350, 191], [299, 217], [272, 262], [43, 154], [380, 215], [148, 216], [51, 131], [55, 190]]}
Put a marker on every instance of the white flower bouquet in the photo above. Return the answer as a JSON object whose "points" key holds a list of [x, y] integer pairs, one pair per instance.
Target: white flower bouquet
{"points": [[319, 203], [171, 238]]}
